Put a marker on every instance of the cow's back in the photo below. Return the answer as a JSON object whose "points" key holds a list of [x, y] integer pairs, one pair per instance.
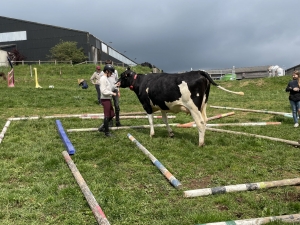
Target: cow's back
{"points": [[175, 88]]}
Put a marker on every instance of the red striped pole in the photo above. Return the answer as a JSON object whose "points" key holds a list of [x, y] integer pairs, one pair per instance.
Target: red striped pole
{"points": [[96, 209], [210, 118]]}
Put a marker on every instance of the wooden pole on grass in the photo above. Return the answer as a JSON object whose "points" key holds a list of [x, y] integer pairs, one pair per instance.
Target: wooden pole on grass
{"points": [[186, 125], [220, 116], [210, 118], [122, 127], [240, 187], [126, 117], [160, 166], [293, 218], [4, 130], [254, 110], [294, 143], [96, 209]]}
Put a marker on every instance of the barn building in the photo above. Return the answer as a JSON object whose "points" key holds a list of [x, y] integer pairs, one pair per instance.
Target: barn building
{"points": [[292, 69], [242, 72], [34, 41]]}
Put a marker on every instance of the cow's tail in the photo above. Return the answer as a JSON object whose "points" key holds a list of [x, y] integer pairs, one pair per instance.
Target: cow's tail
{"points": [[224, 89]]}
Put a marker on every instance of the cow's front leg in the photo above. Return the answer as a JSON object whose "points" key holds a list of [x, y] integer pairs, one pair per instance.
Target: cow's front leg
{"points": [[150, 118], [165, 119]]}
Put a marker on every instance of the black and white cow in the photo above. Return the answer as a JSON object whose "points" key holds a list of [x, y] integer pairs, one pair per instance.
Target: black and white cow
{"points": [[184, 92]]}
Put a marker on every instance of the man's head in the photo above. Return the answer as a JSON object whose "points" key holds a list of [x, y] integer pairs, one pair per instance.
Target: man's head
{"points": [[98, 68], [108, 62]]}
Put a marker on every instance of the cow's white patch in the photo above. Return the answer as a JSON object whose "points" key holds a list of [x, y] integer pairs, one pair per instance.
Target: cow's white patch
{"points": [[183, 104]]}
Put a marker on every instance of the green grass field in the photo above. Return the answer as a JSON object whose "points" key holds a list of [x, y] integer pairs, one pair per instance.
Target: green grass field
{"points": [[37, 186]]}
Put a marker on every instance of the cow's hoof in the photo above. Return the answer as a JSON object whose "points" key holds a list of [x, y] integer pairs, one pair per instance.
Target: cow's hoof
{"points": [[171, 135], [201, 145]]}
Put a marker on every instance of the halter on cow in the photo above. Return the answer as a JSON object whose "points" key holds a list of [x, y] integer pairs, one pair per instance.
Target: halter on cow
{"points": [[185, 92]]}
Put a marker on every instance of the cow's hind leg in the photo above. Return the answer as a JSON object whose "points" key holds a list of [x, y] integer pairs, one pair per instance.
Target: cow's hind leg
{"points": [[150, 118], [165, 119], [200, 123], [203, 112]]}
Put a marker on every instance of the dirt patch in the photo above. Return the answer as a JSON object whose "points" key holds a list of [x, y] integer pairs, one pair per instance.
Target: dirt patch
{"points": [[222, 207], [199, 183], [260, 82], [245, 83], [292, 197]]}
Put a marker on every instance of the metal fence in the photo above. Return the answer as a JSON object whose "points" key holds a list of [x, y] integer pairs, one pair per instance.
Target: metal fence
{"points": [[62, 62]]}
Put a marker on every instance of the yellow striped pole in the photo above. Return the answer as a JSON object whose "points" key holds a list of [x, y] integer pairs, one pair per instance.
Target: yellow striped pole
{"points": [[240, 187]]}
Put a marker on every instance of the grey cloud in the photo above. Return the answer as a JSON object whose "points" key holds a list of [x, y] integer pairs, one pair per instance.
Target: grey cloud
{"points": [[178, 35]]}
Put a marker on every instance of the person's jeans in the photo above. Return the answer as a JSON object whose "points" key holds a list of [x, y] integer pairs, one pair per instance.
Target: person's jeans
{"points": [[97, 86], [295, 109]]}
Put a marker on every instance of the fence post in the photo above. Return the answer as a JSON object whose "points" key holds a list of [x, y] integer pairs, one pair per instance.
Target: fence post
{"points": [[39, 62]]}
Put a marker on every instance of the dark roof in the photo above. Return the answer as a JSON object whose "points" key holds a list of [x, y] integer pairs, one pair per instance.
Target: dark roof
{"points": [[43, 24]]}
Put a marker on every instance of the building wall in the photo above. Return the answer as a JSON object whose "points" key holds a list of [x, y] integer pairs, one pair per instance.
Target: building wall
{"points": [[291, 70], [40, 38]]}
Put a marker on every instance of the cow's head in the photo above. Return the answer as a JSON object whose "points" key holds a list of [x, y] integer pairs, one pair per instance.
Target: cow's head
{"points": [[126, 78]]}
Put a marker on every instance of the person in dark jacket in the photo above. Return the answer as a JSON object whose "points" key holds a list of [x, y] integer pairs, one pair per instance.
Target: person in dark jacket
{"points": [[83, 83], [294, 88]]}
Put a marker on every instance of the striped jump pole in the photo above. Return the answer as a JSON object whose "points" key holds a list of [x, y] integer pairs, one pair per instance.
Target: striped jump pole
{"points": [[244, 124], [240, 187], [186, 125], [254, 110], [160, 166], [84, 116], [231, 124], [294, 143], [293, 218], [24, 118], [96, 209], [126, 117], [220, 116], [4, 130], [71, 115], [210, 118], [53, 116], [70, 148], [122, 127]]}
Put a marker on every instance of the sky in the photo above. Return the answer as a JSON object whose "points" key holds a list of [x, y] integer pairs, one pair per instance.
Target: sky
{"points": [[180, 35]]}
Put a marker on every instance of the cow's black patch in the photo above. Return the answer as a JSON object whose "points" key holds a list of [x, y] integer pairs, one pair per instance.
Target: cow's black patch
{"points": [[163, 87]]}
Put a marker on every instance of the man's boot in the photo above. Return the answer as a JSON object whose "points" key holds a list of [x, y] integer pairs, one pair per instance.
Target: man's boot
{"points": [[111, 123], [101, 128], [106, 127], [118, 124]]}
